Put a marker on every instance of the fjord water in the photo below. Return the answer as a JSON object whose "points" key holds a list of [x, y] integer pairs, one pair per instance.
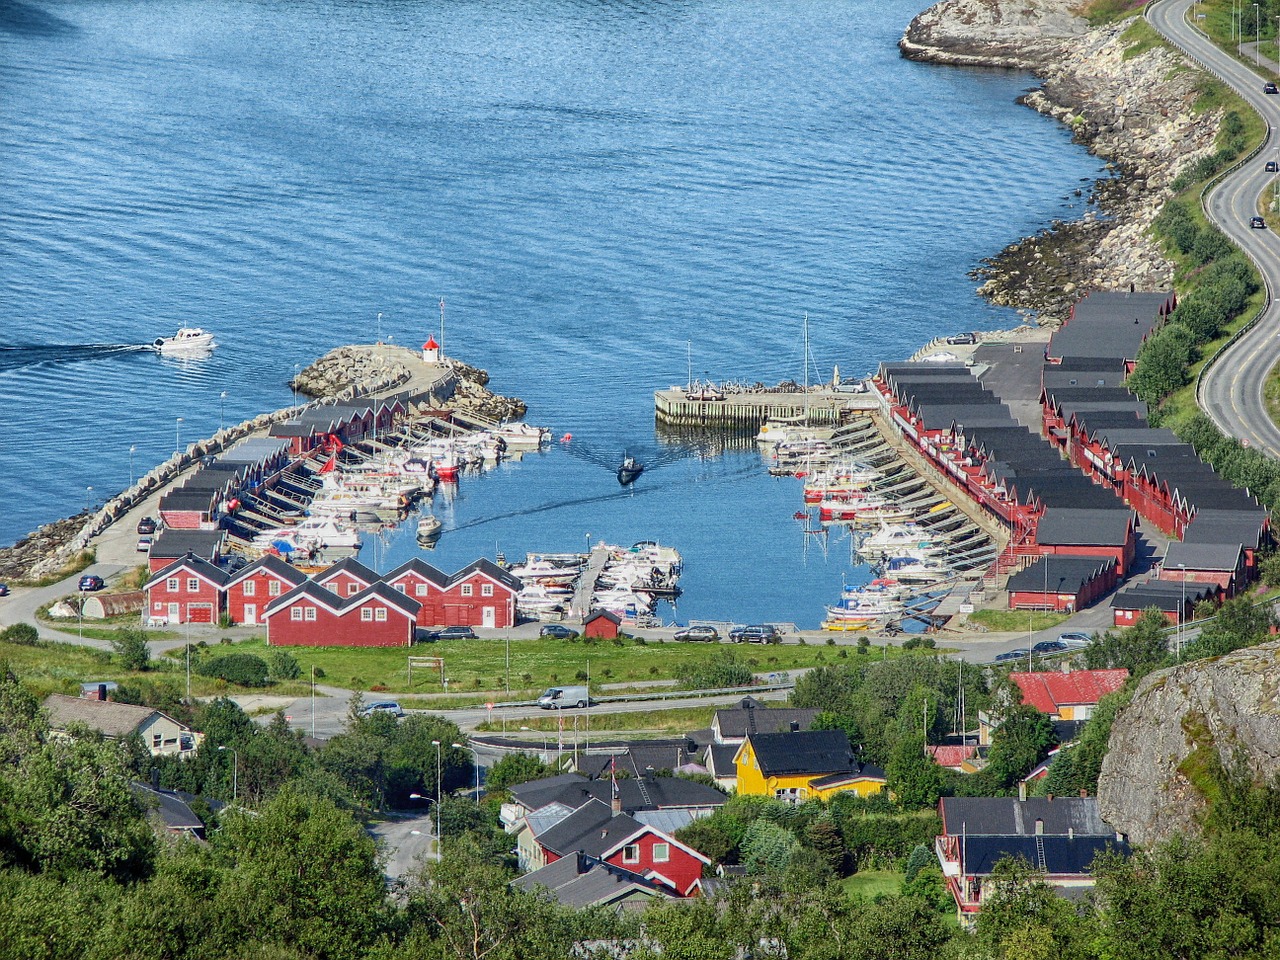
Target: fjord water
{"points": [[590, 187]]}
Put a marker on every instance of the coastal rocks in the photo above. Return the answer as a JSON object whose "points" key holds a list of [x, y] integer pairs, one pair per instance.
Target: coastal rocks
{"points": [[355, 371], [1182, 722], [1130, 101], [18, 561], [471, 396]]}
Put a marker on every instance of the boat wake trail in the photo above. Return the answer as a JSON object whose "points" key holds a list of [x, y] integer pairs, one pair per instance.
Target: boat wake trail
{"points": [[650, 456], [18, 356]]}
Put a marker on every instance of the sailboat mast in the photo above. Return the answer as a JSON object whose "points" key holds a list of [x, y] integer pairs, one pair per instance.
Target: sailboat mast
{"points": [[442, 326], [688, 346], [806, 368]]}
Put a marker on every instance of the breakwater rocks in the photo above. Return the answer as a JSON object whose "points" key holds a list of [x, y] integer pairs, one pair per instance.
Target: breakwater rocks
{"points": [[1128, 98], [348, 372]]}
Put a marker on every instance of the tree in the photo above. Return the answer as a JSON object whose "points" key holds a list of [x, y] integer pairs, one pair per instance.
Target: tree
{"points": [[514, 769], [1139, 649], [1022, 740], [1077, 767], [767, 846], [913, 776], [1023, 917], [1162, 363], [307, 873], [130, 645], [282, 666], [822, 836], [23, 634], [1239, 623]]}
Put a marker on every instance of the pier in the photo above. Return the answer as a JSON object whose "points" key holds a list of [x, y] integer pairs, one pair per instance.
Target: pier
{"points": [[680, 407], [586, 584]]}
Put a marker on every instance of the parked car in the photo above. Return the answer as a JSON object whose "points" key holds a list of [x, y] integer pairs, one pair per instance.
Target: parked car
{"points": [[381, 706], [144, 544], [1022, 653], [146, 526], [4, 589], [91, 582], [959, 338], [1270, 87], [1273, 166], [698, 633], [755, 633], [451, 633], [1049, 646], [1075, 639], [1257, 223], [557, 630]]}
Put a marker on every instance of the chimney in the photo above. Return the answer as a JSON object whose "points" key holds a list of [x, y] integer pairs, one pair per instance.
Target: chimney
{"points": [[1022, 791], [615, 804], [1049, 797], [1071, 833], [795, 726], [1084, 791], [1039, 827]]}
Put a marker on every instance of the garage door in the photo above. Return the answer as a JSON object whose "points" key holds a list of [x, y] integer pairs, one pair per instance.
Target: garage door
{"points": [[200, 612]]}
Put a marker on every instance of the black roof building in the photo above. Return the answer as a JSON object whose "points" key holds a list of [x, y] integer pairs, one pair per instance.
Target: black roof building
{"points": [[1055, 855], [1062, 574], [1066, 526], [1011, 816], [804, 752]]}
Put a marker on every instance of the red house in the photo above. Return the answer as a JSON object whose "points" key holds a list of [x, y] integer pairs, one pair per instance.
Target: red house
{"points": [[1068, 696], [171, 546], [599, 831], [424, 583], [481, 594], [189, 590], [602, 625], [311, 616], [347, 577], [250, 589]]}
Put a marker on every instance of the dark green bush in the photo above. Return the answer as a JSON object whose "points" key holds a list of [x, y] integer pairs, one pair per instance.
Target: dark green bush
{"points": [[244, 669]]}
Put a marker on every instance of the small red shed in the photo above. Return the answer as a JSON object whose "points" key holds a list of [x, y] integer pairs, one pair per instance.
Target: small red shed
{"points": [[601, 625]]}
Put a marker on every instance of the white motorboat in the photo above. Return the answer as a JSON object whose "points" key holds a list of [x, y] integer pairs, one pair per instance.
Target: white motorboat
{"points": [[522, 436], [310, 532], [900, 540], [429, 527], [187, 338], [923, 570]]}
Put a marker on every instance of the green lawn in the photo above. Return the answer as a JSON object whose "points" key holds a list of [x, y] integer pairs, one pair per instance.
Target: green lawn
{"points": [[1015, 621], [872, 883], [678, 720], [536, 663]]}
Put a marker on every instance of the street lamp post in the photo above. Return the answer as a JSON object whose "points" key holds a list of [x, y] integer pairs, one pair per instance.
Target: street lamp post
{"points": [[458, 746], [379, 328], [294, 382], [222, 409], [133, 448], [82, 615], [1257, 35], [235, 772], [313, 701], [177, 435], [439, 824], [88, 498]]}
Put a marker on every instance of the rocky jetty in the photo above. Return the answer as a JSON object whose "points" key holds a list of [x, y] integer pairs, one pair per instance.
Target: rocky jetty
{"points": [[355, 371], [1130, 100], [1182, 722]]}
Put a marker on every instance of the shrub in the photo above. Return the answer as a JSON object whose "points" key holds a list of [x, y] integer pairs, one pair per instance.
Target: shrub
{"points": [[282, 666], [244, 669], [723, 670], [23, 634]]}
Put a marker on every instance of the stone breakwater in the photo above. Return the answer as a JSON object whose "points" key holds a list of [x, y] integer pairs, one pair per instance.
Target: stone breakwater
{"points": [[1131, 103]]}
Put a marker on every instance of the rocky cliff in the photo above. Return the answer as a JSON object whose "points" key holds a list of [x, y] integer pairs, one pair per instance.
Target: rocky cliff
{"points": [[1155, 778], [1128, 97]]}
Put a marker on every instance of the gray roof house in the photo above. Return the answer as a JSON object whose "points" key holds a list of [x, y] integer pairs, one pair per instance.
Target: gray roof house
{"points": [[161, 734]]}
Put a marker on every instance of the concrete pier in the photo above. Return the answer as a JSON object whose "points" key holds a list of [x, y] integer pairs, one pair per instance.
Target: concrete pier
{"points": [[677, 407]]}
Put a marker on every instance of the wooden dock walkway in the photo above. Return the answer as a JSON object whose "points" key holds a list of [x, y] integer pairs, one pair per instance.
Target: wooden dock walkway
{"points": [[675, 407], [586, 584]]}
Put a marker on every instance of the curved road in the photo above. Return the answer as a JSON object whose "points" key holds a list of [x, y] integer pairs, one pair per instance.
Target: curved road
{"points": [[1231, 390]]}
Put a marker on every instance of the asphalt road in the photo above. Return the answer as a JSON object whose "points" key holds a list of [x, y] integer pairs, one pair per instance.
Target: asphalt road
{"points": [[1231, 390]]}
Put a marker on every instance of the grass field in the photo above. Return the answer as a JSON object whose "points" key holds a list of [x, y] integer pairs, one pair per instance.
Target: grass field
{"points": [[536, 663], [1015, 621], [679, 720], [872, 883]]}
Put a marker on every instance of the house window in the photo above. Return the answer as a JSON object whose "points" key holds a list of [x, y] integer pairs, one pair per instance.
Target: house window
{"points": [[380, 615], [631, 853], [171, 584], [466, 589], [366, 615], [486, 590], [661, 852], [311, 613], [791, 794], [353, 589], [250, 588], [157, 741], [400, 587], [273, 588], [193, 585], [421, 590], [295, 613]]}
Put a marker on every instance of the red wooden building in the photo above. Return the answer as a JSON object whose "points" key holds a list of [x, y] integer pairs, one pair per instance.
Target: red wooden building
{"points": [[189, 590], [311, 616], [1064, 584], [601, 625], [347, 577], [172, 545], [250, 589], [424, 583], [481, 594]]}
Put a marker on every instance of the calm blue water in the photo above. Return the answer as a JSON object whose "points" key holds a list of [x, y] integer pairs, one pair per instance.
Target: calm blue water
{"points": [[590, 186]]}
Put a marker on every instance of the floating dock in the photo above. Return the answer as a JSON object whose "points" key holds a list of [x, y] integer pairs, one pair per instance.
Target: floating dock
{"points": [[678, 407]]}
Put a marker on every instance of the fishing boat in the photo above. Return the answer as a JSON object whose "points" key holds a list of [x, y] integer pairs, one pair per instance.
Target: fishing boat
{"points": [[630, 470], [429, 527], [866, 609], [187, 338]]}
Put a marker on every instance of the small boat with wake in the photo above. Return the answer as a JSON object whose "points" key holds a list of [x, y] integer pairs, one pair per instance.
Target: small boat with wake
{"points": [[186, 339], [630, 470]]}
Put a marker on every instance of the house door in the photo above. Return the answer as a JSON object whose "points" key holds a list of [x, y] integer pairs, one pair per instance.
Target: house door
{"points": [[250, 613], [175, 613], [488, 617]]}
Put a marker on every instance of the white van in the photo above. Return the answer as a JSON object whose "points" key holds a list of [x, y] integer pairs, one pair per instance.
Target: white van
{"points": [[559, 698]]}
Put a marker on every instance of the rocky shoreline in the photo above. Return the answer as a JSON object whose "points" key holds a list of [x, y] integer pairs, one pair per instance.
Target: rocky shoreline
{"points": [[1129, 102]]}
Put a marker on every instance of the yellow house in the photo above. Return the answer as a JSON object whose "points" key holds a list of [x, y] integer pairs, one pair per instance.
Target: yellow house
{"points": [[804, 765]]}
